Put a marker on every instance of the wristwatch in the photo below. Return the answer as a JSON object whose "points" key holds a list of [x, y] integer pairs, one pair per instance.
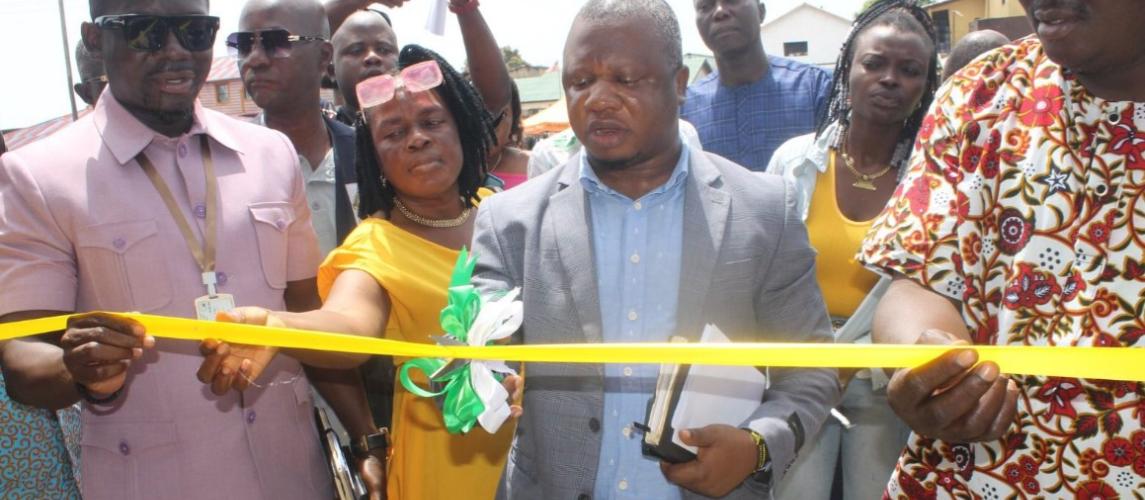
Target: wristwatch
{"points": [[363, 445], [92, 399], [762, 472]]}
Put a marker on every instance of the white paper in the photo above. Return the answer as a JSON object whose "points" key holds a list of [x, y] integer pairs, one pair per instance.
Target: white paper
{"points": [[435, 23], [717, 394]]}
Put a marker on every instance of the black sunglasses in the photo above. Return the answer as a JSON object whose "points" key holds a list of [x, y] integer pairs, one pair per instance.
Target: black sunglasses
{"points": [[276, 43], [149, 33]]}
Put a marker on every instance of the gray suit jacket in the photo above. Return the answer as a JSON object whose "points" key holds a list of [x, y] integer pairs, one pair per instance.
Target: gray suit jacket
{"points": [[746, 267]]}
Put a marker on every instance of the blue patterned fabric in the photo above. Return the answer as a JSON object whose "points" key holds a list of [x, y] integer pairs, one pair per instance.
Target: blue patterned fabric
{"points": [[747, 123], [34, 460]]}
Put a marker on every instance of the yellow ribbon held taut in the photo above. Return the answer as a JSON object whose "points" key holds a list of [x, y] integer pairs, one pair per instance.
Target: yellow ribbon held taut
{"points": [[1108, 363]]}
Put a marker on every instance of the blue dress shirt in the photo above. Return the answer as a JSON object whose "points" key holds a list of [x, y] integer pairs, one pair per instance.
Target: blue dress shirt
{"points": [[637, 247], [747, 123]]}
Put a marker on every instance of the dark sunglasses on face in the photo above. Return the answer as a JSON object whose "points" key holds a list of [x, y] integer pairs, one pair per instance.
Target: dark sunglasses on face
{"points": [[276, 43], [148, 33]]}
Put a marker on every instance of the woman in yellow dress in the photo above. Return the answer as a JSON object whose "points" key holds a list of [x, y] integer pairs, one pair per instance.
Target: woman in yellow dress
{"points": [[422, 146]]}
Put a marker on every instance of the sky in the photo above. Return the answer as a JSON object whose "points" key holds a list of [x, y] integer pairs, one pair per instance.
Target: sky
{"points": [[35, 86]]}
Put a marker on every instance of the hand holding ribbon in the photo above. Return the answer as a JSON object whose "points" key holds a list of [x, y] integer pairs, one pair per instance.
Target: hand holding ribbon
{"points": [[471, 390]]}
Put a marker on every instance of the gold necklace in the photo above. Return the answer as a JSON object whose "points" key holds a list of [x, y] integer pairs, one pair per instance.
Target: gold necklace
{"points": [[866, 181], [434, 223]]}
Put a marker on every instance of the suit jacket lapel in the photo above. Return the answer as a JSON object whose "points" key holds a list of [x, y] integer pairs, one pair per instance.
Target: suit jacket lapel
{"points": [[342, 140], [706, 209], [570, 227]]}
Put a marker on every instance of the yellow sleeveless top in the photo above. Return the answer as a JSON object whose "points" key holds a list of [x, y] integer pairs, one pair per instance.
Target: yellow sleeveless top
{"points": [[426, 462], [843, 280]]}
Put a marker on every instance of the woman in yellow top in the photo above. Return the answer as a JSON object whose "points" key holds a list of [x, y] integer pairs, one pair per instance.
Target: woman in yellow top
{"points": [[845, 173], [422, 147]]}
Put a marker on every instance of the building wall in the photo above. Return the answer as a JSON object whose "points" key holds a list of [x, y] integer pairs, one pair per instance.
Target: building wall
{"points": [[1004, 8], [961, 14], [823, 33], [230, 97]]}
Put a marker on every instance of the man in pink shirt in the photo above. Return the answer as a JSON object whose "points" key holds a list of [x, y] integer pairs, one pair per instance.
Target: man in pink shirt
{"points": [[152, 203]]}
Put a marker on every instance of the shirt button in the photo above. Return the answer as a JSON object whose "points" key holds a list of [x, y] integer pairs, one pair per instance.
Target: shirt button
{"points": [[594, 424], [182, 151], [627, 371], [623, 485], [119, 243], [250, 416], [315, 207], [1114, 118], [124, 449], [632, 316], [200, 211], [280, 224], [220, 279], [635, 258], [627, 431], [584, 496], [638, 206]]}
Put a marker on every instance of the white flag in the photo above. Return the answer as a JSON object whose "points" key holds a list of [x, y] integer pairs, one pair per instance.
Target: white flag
{"points": [[435, 23]]}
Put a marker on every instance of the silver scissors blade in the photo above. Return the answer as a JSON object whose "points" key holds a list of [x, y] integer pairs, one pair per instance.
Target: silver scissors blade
{"points": [[454, 364]]}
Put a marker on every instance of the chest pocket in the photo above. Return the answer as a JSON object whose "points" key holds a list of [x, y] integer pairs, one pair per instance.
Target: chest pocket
{"points": [[126, 263], [272, 223]]}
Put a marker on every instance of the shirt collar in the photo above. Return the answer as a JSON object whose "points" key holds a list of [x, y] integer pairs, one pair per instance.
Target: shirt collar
{"points": [[593, 184], [126, 137], [821, 146]]}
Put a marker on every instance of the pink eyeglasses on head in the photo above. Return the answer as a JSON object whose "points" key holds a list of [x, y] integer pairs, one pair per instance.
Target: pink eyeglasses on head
{"points": [[381, 89]]}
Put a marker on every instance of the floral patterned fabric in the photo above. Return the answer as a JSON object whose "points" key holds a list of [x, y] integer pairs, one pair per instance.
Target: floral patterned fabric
{"points": [[1024, 201], [34, 461]]}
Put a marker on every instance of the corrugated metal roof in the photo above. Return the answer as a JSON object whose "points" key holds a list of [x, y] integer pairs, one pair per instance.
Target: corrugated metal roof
{"points": [[25, 136], [543, 88], [695, 62], [223, 69]]}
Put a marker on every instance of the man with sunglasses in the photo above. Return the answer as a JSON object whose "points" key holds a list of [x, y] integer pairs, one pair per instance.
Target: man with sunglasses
{"points": [[152, 203], [283, 54]]}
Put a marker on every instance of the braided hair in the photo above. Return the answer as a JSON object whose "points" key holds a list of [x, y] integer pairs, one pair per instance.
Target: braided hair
{"points": [[474, 129], [905, 15], [516, 131]]}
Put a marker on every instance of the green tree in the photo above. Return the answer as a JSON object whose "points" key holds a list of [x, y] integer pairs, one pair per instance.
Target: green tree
{"points": [[513, 58]]}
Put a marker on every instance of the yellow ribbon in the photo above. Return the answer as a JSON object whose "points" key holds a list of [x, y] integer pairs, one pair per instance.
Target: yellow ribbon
{"points": [[1109, 363]]}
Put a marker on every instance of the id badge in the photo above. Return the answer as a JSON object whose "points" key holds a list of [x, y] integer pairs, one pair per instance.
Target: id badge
{"points": [[208, 307]]}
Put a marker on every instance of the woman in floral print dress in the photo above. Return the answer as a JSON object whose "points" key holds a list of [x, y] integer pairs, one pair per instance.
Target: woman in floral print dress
{"points": [[1022, 222]]}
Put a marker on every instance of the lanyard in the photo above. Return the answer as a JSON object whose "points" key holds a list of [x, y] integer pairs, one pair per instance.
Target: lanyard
{"points": [[204, 254]]}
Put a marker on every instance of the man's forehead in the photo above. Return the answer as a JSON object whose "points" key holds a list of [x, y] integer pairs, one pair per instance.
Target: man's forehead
{"points": [[167, 7], [269, 17], [594, 41], [362, 26], [304, 17]]}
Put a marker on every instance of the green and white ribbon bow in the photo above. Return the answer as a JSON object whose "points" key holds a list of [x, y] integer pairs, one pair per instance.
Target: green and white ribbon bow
{"points": [[471, 391]]}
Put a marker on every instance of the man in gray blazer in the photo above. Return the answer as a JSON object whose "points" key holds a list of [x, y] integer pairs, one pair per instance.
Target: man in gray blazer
{"points": [[639, 238]]}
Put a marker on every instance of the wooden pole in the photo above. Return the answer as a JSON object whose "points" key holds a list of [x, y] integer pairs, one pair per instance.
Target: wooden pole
{"points": [[68, 60]]}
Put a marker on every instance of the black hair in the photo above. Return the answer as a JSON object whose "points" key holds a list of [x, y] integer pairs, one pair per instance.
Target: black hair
{"points": [[474, 129], [516, 131], [905, 15], [970, 47], [385, 17], [661, 17]]}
